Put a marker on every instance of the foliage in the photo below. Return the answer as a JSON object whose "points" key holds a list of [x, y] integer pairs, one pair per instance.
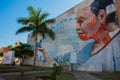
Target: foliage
{"points": [[10, 46], [1, 54], [23, 50], [36, 23], [57, 69]]}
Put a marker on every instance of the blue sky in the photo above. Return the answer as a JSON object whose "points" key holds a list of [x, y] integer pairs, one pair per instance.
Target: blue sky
{"points": [[11, 10]]}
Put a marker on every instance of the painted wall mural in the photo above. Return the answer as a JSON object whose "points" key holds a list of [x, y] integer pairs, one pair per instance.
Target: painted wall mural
{"points": [[98, 24], [8, 57], [66, 41], [91, 33], [93, 22]]}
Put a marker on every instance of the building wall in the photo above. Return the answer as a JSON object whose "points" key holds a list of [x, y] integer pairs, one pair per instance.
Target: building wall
{"points": [[68, 43]]}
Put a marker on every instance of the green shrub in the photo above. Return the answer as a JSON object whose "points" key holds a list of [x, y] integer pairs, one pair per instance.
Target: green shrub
{"points": [[57, 69]]}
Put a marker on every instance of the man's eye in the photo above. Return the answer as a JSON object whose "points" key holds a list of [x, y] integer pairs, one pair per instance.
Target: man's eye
{"points": [[78, 20], [82, 20]]}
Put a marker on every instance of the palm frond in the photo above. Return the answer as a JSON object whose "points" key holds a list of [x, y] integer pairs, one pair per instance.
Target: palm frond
{"points": [[38, 12], [51, 34], [23, 20], [44, 30], [43, 16], [43, 35], [43, 27], [25, 29], [32, 11], [32, 19], [39, 23], [50, 21], [31, 24]]}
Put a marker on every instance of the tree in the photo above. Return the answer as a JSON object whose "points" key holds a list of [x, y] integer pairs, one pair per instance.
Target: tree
{"points": [[10, 46], [37, 24], [1, 54], [23, 50]]}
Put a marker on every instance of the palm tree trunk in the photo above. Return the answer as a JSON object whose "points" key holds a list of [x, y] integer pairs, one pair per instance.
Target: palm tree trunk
{"points": [[35, 51], [22, 62]]}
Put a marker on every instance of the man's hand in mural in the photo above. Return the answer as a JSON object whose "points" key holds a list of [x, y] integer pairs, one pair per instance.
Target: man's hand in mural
{"points": [[47, 57], [41, 49]]}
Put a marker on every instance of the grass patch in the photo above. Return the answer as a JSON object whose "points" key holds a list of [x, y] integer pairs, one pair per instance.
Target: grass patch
{"points": [[107, 76], [66, 76], [13, 68], [31, 76], [63, 76]]}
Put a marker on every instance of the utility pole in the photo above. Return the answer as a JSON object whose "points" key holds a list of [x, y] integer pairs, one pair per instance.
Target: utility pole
{"points": [[118, 9]]}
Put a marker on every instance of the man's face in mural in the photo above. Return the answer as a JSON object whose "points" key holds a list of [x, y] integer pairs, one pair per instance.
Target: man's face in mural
{"points": [[86, 24], [90, 26]]}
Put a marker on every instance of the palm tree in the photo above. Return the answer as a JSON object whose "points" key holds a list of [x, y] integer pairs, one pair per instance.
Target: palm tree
{"points": [[36, 23]]}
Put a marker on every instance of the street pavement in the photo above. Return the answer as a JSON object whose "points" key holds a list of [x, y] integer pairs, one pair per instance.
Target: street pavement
{"points": [[1, 78], [81, 75]]}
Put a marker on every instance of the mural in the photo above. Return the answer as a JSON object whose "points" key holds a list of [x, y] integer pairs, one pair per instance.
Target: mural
{"points": [[90, 34], [66, 41], [98, 24], [94, 23], [59, 50], [8, 57]]}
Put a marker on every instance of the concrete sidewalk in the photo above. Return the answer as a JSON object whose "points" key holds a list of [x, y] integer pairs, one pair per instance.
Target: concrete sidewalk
{"points": [[80, 75], [1, 78]]}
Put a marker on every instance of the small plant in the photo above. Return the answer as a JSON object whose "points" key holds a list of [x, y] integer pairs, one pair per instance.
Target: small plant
{"points": [[57, 69]]}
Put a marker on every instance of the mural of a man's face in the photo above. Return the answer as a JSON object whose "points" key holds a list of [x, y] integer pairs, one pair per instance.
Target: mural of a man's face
{"points": [[90, 26], [87, 24]]}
